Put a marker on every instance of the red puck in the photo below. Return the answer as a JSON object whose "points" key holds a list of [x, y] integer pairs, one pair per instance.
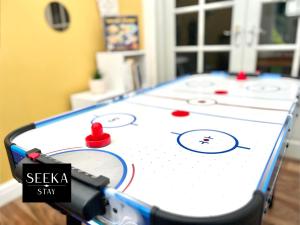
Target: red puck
{"points": [[221, 92], [180, 113]]}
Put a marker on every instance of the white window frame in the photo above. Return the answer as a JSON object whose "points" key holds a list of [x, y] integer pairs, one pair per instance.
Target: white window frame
{"points": [[160, 35]]}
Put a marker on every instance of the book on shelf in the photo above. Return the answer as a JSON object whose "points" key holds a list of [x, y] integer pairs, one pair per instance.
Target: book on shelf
{"points": [[134, 78]]}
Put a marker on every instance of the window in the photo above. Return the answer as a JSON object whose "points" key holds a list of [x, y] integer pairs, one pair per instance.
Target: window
{"points": [[57, 16]]}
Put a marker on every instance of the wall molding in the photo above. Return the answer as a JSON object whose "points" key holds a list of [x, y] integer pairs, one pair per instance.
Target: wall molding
{"points": [[10, 191]]}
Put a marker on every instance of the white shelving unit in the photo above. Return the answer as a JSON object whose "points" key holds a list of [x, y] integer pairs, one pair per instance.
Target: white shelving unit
{"points": [[115, 70], [87, 98]]}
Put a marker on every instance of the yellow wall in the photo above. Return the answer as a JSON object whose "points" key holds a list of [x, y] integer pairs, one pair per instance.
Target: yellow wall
{"points": [[39, 67]]}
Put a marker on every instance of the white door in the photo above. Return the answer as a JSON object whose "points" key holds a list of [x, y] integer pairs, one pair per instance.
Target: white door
{"points": [[229, 35]]}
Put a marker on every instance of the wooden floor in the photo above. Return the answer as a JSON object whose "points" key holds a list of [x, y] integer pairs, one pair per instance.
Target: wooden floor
{"points": [[285, 211]]}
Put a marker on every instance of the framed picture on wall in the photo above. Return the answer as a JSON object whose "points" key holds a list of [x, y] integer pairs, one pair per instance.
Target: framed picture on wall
{"points": [[121, 33]]}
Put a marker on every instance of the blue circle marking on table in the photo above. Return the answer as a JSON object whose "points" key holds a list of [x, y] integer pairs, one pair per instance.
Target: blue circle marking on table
{"points": [[115, 120], [263, 88], [119, 158], [208, 141]]}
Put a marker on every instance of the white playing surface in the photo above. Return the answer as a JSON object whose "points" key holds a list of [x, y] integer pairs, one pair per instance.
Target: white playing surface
{"points": [[208, 163]]}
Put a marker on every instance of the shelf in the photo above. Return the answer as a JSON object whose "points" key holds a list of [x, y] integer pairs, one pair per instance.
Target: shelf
{"points": [[87, 98], [124, 53]]}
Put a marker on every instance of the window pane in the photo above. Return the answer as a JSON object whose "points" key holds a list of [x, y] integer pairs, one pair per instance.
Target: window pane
{"points": [[186, 63], [181, 3], [216, 61], [187, 29], [210, 1], [217, 26], [56, 17], [276, 28], [275, 62]]}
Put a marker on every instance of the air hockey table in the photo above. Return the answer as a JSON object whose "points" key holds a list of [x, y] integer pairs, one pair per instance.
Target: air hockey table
{"points": [[202, 149]]}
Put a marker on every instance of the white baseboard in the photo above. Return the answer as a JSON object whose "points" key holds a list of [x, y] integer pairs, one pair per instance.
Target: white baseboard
{"points": [[10, 191]]}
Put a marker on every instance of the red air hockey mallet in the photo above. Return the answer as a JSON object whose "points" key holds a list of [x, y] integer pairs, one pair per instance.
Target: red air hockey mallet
{"points": [[241, 76], [97, 139]]}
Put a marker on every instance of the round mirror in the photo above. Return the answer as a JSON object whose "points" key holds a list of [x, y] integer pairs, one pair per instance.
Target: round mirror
{"points": [[57, 16]]}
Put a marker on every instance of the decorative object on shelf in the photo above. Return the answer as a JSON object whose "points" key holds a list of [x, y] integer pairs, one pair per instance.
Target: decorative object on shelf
{"points": [[97, 83], [108, 7], [121, 33]]}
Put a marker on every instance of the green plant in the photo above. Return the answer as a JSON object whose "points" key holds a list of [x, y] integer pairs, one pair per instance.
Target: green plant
{"points": [[97, 75]]}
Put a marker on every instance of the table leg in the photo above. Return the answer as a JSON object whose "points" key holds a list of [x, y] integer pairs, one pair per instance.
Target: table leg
{"points": [[72, 221]]}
